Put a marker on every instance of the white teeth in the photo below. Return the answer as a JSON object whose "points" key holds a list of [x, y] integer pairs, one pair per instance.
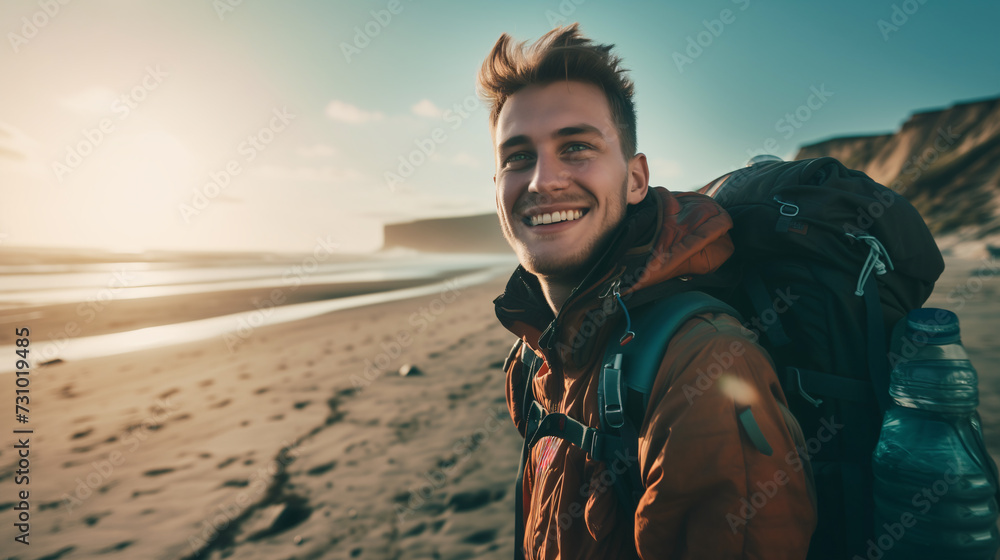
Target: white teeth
{"points": [[554, 217]]}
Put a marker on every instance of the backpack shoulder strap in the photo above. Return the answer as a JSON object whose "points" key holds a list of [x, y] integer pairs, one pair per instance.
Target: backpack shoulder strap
{"points": [[654, 325], [629, 371], [628, 374]]}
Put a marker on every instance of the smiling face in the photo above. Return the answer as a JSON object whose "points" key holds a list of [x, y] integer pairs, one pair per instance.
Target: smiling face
{"points": [[562, 180]]}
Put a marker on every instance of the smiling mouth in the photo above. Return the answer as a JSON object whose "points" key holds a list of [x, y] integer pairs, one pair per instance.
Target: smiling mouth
{"points": [[554, 217]]}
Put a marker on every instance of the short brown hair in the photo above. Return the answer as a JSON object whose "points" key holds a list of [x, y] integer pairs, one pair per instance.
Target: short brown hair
{"points": [[561, 54]]}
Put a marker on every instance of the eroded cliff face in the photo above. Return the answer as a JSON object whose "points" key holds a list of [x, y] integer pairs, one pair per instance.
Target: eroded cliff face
{"points": [[463, 234], [946, 162]]}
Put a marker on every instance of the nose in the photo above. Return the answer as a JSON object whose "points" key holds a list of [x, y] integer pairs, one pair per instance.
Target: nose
{"points": [[550, 175]]}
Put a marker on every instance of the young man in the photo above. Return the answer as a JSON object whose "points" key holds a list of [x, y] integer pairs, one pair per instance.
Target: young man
{"points": [[574, 203]]}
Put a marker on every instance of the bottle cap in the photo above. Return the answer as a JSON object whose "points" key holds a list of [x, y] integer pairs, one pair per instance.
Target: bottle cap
{"points": [[940, 326]]}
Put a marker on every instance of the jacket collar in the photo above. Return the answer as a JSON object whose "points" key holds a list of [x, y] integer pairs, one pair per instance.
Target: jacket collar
{"points": [[661, 242]]}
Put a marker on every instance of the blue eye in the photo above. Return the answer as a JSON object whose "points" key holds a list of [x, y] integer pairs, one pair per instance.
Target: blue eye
{"points": [[518, 157]]}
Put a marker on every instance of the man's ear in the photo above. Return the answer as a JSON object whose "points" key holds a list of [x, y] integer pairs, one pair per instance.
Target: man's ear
{"points": [[638, 178]]}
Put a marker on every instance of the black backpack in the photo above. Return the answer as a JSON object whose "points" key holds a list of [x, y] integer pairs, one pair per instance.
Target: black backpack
{"points": [[827, 261]]}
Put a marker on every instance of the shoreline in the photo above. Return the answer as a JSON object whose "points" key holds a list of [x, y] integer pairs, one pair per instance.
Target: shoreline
{"points": [[186, 437], [306, 442], [175, 325]]}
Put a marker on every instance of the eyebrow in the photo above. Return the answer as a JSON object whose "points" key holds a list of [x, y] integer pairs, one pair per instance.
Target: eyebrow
{"points": [[521, 139]]}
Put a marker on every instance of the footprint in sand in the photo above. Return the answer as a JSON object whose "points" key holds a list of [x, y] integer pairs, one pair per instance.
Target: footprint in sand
{"points": [[66, 392], [82, 434], [58, 554], [481, 537], [466, 501], [159, 472], [116, 547], [414, 531], [221, 404], [95, 518], [322, 469]]}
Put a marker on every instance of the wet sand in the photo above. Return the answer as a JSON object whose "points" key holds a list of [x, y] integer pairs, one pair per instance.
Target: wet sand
{"points": [[306, 443]]}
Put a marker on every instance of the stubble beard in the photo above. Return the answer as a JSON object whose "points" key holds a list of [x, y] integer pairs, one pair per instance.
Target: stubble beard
{"points": [[570, 269]]}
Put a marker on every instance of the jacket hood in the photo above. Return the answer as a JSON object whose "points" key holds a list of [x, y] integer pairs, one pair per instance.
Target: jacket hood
{"points": [[664, 242]]}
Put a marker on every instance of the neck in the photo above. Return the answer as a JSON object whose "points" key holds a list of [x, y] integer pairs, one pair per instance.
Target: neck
{"points": [[556, 292]]}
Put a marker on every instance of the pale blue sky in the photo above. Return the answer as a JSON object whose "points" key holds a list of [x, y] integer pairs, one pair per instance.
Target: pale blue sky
{"points": [[214, 77]]}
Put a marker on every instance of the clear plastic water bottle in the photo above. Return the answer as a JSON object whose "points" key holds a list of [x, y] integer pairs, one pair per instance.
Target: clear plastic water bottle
{"points": [[935, 484]]}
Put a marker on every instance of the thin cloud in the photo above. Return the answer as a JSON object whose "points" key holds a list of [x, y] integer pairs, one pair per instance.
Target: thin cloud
{"points": [[345, 112], [94, 100], [461, 158], [318, 151], [309, 174], [661, 169], [426, 108], [15, 144]]}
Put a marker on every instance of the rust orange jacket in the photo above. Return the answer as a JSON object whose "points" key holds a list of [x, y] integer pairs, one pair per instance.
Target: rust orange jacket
{"points": [[709, 493]]}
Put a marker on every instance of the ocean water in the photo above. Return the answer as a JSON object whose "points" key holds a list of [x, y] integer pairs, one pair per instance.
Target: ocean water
{"points": [[35, 285], [46, 284]]}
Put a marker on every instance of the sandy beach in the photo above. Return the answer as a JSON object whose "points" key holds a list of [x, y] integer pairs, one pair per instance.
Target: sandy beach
{"points": [[306, 443]]}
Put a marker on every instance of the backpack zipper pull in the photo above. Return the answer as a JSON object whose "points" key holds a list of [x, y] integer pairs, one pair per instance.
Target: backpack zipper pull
{"points": [[874, 262], [614, 290]]}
